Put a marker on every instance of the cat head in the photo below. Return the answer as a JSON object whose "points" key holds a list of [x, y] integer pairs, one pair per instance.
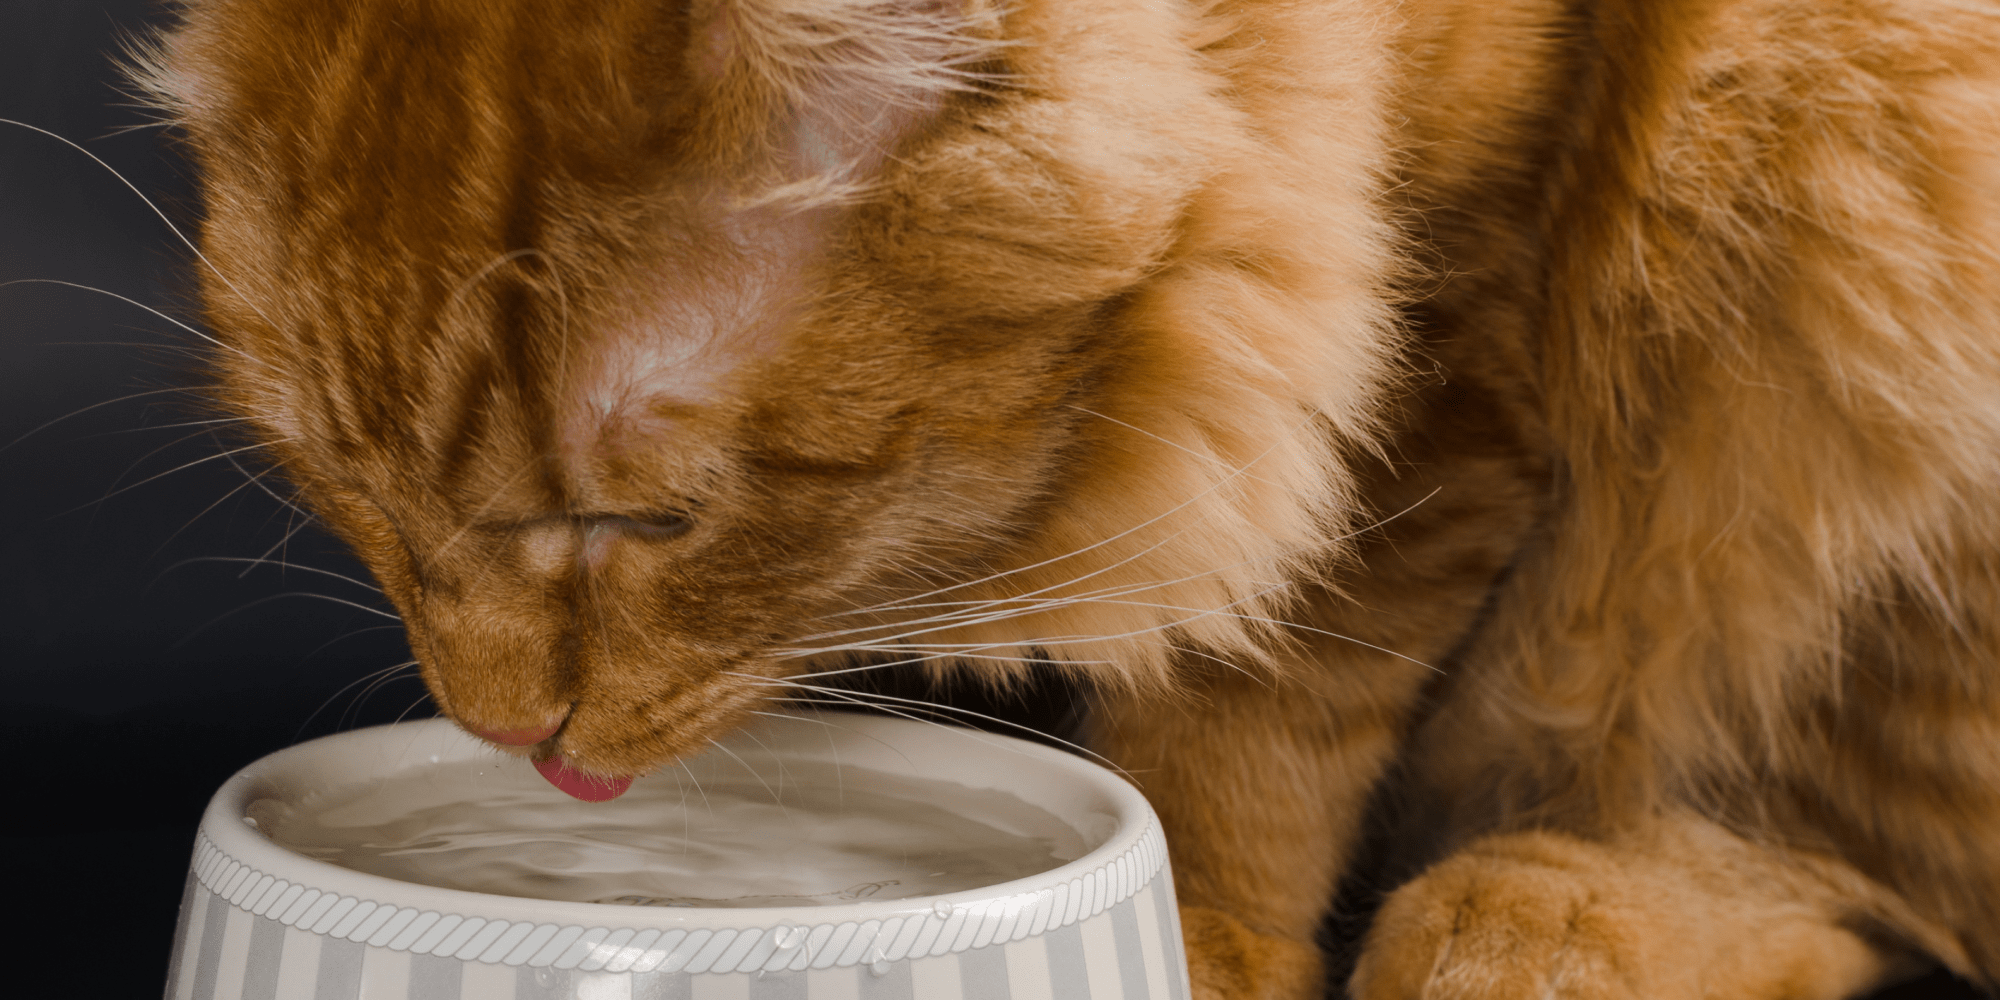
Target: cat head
{"points": [[649, 351]]}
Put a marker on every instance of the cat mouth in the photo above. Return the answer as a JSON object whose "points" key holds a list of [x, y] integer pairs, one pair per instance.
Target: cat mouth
{"points": [[578, 785], [572, 782], [594, 747]]}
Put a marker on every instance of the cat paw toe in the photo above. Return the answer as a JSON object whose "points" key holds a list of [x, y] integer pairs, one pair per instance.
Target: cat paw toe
{"points": [[1475, 928]]}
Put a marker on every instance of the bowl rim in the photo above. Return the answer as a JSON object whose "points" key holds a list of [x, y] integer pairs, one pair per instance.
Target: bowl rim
{"points": [[236, 861]]}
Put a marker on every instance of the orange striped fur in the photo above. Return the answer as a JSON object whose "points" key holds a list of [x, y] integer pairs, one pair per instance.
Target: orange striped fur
{"points": [[1584, 417]]}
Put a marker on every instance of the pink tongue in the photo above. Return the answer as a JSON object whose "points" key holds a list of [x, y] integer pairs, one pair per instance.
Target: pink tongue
{"points": [[579, 785]]}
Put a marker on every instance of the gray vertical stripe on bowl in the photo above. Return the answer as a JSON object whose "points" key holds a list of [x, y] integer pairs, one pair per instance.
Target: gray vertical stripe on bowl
{"points": [[1068, 972], [176, 960], [778, 986], [541, 984], [891, 985], [1176, 953], [432, 976], [193, 915], [209, 959], [267, 943], [1131, 960], [982, 974], [661, 986], [339, 969]]}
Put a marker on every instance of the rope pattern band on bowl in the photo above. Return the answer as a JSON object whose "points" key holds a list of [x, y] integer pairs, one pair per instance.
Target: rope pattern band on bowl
{"points": [[783, 947]]}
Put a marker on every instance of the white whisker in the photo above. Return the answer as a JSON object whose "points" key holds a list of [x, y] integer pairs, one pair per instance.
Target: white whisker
{"points": [[981, 615], [348, 635], [238, 466], [279, 544], [169, 472], [1142, 553], [238, 488], [1167, 441], [275, 597], [93, 406], [1195, 614], [1126, 589], [412, 706], [163, 218], [817, 720], [919, 703], [263, 561], [1212, 487], [703, 792], [128, 301], [343, 690], [953, 655], [971, 734], [776, 799], [141, 460], [1280, 623], [186, 423]]}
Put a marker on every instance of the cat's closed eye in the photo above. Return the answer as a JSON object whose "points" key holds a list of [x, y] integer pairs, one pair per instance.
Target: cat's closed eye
{"points": [[657, 524]]}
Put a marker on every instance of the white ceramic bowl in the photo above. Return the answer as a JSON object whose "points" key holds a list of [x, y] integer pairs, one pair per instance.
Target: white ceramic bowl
{"points": [[260, 922]]}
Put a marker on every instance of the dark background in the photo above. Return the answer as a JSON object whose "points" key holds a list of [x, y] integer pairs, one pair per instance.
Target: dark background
{"points": [[134, 678], [139, 666]]}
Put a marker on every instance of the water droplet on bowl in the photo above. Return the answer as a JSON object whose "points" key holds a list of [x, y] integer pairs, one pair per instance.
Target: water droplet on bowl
{"points": [[790, 937], [942, 908], [877, 964]]}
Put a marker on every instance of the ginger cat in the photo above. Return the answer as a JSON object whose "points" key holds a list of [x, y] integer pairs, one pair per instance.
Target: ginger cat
{"points": [[1584, 416]]}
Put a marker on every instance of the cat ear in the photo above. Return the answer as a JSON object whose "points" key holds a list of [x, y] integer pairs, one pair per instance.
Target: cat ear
{"points": [[828, 88], [847, 79], [900, 52], [161, 79]]}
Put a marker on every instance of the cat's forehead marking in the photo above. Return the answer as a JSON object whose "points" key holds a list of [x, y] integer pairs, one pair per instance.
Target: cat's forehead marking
{"points": [[724, 299], [712, 302], [780, 112], [731, 293]]}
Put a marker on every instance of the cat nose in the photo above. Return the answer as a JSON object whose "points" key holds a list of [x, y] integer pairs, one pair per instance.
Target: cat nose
{"points": [[524, 737]]}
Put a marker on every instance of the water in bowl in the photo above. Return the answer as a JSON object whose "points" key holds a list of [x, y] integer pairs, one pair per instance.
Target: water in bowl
{"points": [[796, 833]]}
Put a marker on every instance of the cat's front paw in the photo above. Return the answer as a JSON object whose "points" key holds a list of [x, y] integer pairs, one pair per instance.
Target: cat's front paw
{"points": [[1551, 917], [1228, 961]]}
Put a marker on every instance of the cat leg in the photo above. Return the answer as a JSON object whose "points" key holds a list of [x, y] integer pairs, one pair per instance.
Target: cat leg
{"points": [[1770, 371], [1262, 778], [1679, 909], [1261, 783], [1897, 773]]}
